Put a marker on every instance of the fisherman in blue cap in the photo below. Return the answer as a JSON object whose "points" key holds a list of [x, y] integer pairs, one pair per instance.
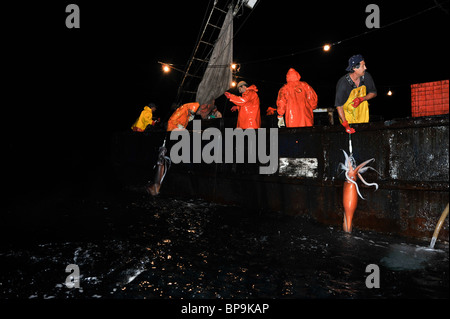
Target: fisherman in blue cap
{"points": [[353, 90]]}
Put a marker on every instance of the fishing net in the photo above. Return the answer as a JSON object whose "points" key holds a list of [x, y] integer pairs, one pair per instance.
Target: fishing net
{"points": [[218, 75]]}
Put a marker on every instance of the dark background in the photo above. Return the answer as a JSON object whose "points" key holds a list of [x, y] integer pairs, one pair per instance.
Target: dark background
{"points": [[65, 91]]}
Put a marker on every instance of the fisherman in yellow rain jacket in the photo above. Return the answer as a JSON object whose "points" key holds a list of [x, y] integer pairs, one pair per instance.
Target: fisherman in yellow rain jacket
{"points": [[146, 118], [353, 90]]}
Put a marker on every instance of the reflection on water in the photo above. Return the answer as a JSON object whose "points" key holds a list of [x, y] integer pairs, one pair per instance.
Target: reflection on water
{"points": [[411, 257], [172, 248]]}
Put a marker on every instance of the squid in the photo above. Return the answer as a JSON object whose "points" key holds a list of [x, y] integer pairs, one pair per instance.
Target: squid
{"points": [[351, 189], [162, 166]]}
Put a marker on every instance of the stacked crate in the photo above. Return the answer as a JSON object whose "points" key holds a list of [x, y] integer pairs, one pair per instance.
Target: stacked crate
{"points": [[429, 98]]}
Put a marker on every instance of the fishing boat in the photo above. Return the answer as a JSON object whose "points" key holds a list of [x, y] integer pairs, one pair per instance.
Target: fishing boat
{"points": [[411, 159]]}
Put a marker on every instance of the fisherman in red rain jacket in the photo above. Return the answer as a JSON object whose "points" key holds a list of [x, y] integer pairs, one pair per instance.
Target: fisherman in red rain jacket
{"points": [[248, 106], [296, 101]]}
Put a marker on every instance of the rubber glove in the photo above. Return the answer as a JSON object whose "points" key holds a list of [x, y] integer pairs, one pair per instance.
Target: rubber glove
{"points": [[227, 94], [235, 108], [270, 111], [281, 122], [348, 129], [357, 101]]}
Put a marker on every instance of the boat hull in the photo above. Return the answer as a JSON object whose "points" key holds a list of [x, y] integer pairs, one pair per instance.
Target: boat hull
{"points": [[411, 155]]}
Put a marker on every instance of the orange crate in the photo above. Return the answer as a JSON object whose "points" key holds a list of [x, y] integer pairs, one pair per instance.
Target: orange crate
{"points": [[429, 98]]}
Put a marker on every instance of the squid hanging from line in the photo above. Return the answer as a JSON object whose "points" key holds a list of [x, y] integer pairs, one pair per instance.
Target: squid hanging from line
{"points": [[351, 189], [162, 166]]}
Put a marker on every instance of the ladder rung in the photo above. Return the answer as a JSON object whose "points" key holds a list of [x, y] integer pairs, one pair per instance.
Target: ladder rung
{"points": [[201, 60], [218, 9], [194, 76], [214, 26], [190, 92], [201, 41]]}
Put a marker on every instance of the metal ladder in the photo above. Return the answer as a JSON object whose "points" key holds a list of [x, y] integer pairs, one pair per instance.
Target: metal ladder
{"points": [[199, 59]]}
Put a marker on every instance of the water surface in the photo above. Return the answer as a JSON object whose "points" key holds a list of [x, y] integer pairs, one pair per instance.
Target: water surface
{"points": [[145, 248]]}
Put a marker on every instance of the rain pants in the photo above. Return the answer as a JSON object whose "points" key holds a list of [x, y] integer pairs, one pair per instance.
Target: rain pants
{"points": [[181, 115], [359, 114], [248, 104], [144, 119], [296, 101]]}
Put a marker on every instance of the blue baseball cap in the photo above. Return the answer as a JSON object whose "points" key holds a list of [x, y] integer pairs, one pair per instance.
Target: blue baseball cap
{"points": [[354, 61]]}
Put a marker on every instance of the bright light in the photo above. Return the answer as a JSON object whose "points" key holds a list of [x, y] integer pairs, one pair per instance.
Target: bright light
{"points": [[389, 93], [234, 67], [233, 84], [250, 3], [165, 68], [326, 47]]}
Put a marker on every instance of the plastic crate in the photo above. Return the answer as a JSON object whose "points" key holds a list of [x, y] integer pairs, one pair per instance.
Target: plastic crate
{"points": [[429, 98]]}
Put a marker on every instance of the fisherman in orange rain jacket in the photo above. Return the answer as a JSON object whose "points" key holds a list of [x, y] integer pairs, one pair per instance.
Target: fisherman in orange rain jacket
{"points": [[296, 101], [182, 116], [248, 106], [145, 118]]}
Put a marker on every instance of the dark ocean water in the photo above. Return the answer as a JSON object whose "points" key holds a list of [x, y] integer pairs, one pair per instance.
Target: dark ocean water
{"points": [[137, 247]]}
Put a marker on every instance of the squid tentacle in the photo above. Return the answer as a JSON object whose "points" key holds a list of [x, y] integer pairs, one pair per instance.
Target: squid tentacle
{"points": [[353, 182], [364, 169], [368, 184], [350, 163], [373, 169]]}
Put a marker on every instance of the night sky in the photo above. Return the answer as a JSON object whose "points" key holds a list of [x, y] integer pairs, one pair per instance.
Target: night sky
{"points": [[66, 90]]}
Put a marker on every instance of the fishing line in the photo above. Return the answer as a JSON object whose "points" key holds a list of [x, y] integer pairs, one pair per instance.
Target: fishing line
{"points": [[350, 148]]}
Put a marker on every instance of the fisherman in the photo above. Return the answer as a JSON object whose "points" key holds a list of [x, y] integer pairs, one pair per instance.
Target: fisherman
{"points": [[353, 90], [296, 101], [209, 111], [247, 105], [145, 118], [182, 116]]}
